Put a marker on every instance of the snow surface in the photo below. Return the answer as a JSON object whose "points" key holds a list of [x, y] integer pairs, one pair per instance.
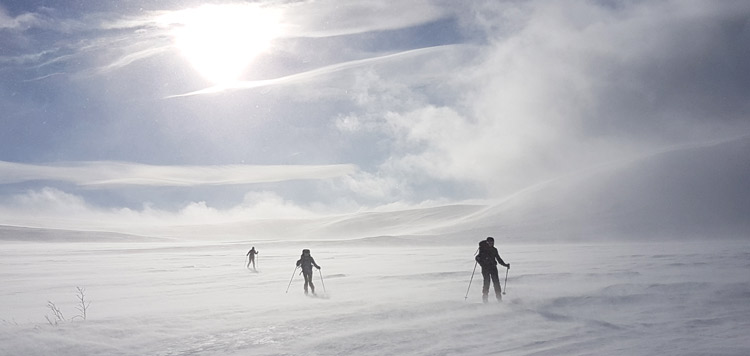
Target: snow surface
{"points": [[187, 298]]}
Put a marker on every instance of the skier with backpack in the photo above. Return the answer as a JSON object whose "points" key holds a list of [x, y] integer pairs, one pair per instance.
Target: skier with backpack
{"points": [[488, 258], [306, 262]]}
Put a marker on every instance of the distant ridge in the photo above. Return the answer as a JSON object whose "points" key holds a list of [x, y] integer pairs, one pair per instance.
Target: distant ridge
{"points": [[30, 234]]}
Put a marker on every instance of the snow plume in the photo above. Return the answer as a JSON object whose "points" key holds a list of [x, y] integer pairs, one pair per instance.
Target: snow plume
{"points": [[76, 207], [53, 208]]}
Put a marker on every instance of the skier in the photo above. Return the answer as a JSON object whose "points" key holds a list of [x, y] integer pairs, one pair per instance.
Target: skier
{"points": [[488, 257], [307, 262], [251, 257]]}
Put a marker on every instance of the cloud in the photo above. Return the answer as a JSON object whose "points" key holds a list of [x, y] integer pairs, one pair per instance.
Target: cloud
{"points": [[564, 86], [112, 174], [49, 200], [132, 57], [333, 18], [545, 89], [21, 21], [116, 41], [318, 72]]}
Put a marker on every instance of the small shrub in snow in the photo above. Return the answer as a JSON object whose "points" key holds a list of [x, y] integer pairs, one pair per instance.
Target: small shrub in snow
{"points": [[83, 305], [57, 315]]}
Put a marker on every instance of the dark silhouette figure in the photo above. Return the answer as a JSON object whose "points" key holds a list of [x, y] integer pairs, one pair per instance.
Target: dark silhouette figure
{"points": [[251, 257], [488, 258], [307, 262]]}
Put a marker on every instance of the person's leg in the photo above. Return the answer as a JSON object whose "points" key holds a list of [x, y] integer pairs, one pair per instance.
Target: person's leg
{"points": [[496, 284], [307, 279], [485, 284]]}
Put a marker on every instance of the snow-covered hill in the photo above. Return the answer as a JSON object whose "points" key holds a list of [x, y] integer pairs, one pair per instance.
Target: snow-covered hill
{"points": [[659, 196]]}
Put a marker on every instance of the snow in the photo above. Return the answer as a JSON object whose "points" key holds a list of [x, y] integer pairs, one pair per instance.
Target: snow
{"points": [[190, 298]]}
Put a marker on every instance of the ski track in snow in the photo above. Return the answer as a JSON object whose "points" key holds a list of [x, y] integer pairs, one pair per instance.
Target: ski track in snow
{"points": [[665, 298]]}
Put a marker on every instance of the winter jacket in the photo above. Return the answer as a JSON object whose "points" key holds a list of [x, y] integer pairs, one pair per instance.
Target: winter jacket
{"points": [[307, 263], [488, 256]]}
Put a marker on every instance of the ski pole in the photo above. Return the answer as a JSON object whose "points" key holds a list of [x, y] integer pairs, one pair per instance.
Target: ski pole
{"points": [[290, 280], [472, 278], [506, 280], [321, 281]]}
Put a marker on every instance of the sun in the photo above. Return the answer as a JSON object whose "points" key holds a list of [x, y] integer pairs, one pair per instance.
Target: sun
{"points": [[220, 41]]}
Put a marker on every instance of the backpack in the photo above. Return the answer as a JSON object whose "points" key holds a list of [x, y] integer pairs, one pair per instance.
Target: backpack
{"points": [[484, 257]]}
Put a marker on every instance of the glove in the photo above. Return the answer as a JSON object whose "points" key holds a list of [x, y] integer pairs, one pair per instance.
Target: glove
{"points": [[318, 267], [507, 265]]}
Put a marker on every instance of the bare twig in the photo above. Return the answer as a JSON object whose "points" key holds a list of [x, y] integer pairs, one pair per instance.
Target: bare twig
{"points": [[10, 322], [83, 305], [57, 314]]}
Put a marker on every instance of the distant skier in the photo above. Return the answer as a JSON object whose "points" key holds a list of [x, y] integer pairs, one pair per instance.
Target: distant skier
{"points": [[488, 257], [307, 262], [251, 257]]}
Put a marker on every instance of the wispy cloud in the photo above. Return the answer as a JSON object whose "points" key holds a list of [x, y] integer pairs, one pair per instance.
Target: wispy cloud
{"points": [[318, 72], [19, 22], [132, 57], [335, 18], [108, 174], [131, 38]]}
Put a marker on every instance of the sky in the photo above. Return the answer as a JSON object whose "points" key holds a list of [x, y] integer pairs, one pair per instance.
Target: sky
{"points": [[223, 111]]}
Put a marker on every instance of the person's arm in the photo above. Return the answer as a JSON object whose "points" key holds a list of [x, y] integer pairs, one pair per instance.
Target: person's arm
{"points": [[299, 262], [313, 262], [500, 259], [507, 265]]}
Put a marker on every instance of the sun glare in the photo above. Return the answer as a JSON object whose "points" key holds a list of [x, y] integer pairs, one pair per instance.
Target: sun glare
{"points": [[220, 41]]}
